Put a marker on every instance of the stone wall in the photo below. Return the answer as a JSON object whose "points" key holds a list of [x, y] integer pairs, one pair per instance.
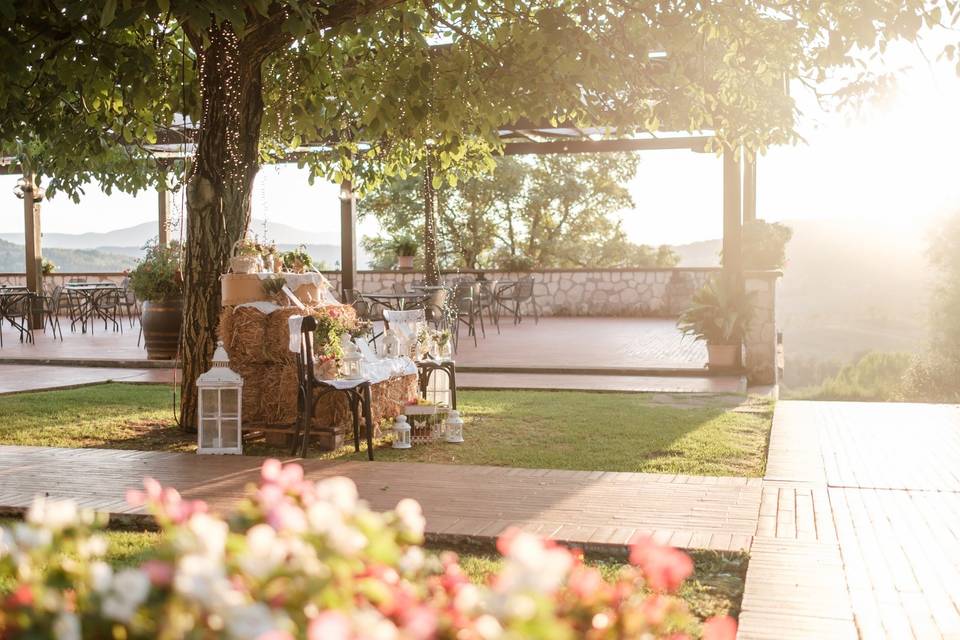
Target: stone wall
{"points": [[59, 279], [760, 343], [600, 292]]}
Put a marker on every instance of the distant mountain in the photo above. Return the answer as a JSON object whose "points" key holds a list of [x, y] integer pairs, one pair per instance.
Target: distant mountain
{"points": [[12, 258], [122, 240], [705, 253]]}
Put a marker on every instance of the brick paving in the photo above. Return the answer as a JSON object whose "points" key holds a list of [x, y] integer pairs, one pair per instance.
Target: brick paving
{"points": [[593, 510], [17, 378], [858, 534]]}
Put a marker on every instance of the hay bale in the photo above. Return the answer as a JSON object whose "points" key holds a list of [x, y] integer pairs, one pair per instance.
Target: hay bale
{"points": [[243, 331], [276, 339], [253, 390], [279, 404]]}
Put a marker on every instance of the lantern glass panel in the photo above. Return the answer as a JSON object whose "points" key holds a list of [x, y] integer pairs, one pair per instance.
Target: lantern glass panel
{"points": [[208, 433], [209, 403], [229, 433], [228, 402]]}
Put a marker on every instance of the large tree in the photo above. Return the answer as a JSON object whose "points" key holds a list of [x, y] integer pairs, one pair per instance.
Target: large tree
{"points": [[552, 211], [381, 87]]}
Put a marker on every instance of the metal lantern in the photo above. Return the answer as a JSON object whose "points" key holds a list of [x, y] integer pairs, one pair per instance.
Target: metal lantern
{"points": [[401, 433], [220, 391], [390, 344], [351, 364], [454, 427]]}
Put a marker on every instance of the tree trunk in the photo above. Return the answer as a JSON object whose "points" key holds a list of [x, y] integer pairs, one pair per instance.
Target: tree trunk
{"points": [[431, 266], [218, 196]]}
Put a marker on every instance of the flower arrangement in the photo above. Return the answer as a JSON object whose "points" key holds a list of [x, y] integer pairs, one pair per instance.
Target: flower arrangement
{"points": [[297, 260], [47, 266], [332, 323], [299, 559], [157, 275]]}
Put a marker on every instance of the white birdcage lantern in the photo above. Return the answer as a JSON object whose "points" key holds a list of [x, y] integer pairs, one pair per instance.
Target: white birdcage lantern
{"points": [[401, 432], [351, 364], [220, 391], [390, 344], [454, 427]]}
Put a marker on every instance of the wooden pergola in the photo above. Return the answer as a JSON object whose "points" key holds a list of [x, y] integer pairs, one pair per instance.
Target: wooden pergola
{"points": [[520, 138]]}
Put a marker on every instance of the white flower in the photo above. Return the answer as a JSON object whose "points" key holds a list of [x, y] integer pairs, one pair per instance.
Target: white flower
{"points": [[202, 578], [249, 621], [411, 516], [265, 551], [412, 560], [29, 537], [101, 576], [7, 543], [127, 592], [340, 492], [93, 547], [346, 540], [488, 627], [521, 607], [66, 627], [371, 625], [532, 566], [55, 515], [467, 599], [322, 515], [209, 536]]}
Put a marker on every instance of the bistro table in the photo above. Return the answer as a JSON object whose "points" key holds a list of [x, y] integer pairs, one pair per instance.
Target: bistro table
{"points": [[396, 301], [88, 299], [14, 308]]}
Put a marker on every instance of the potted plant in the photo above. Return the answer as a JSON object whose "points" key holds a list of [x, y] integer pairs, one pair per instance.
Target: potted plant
{"points": [[719, 315], [47, 267], [406, 248], [158, 282]]}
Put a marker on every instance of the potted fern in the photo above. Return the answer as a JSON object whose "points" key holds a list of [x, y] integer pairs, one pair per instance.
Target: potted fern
{"points": [[719, 315]]}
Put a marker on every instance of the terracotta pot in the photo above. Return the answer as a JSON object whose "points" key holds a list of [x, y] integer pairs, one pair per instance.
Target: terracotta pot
{"points": [[723, 356], [161, 328], [405, 262]]}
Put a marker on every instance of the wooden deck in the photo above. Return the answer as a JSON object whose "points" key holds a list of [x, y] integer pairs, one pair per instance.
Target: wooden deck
{"points": [[593, 510]]}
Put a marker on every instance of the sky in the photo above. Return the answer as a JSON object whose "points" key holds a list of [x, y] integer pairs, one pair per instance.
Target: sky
{"points": [[893, 165]]}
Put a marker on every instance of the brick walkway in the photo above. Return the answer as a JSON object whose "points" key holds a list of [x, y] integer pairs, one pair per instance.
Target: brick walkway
{"points": [[594, 510], [859, 527]]}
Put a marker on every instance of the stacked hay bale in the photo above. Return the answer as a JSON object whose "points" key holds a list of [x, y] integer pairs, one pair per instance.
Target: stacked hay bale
{"points": [[257, 344]]}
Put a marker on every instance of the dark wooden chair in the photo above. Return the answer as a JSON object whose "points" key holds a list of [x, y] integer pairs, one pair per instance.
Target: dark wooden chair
{"points": [[357, 393]]}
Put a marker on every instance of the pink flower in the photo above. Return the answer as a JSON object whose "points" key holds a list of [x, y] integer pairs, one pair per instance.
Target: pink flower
{"points": [[720, 628], [275, 635], [664, 568], [329, 625], [160, 573], [270, 471]]}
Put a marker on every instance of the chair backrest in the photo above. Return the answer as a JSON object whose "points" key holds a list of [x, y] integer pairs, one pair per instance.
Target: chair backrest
{"points": [[399, 287], [362, 307], [406, 324], [524, 288], [463, 291]]}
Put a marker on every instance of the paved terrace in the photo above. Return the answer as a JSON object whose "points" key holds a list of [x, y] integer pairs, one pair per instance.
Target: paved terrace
{"points": [[853, 533]]}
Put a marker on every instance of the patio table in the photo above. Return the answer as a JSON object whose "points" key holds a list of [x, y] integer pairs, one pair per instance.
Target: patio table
{"points": [[90, 295], [12, 302], [396, 301]]}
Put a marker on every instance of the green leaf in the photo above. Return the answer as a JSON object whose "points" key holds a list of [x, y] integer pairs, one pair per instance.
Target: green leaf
{"points": [[109, 10]]}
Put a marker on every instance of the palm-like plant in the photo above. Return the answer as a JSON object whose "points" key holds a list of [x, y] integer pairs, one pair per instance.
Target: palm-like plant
{"points": [[719, 314]]}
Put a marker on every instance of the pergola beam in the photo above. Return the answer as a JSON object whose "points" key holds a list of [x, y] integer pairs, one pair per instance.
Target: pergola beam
{"points": [[695, 143]]}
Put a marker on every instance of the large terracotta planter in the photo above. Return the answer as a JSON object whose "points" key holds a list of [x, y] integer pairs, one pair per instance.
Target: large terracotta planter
{"points": [[723, 356], [405, 262], [161, 328]]}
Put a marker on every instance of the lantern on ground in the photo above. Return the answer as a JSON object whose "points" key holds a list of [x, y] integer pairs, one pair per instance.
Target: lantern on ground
{"points": [[351, 364], [401, 433], [454, 427], [219, 390]]}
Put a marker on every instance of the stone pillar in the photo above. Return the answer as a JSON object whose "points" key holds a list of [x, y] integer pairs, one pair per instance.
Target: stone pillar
{"points": [[761, 340]]}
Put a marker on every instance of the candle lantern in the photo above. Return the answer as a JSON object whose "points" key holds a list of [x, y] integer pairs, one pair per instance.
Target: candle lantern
{"points": [[220, 392], [454, 427], [390, 344], [351, 364], [401, 433]]}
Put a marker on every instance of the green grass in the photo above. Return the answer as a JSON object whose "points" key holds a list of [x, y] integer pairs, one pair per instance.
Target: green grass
{"points": [[598, 431], [534, 429]]}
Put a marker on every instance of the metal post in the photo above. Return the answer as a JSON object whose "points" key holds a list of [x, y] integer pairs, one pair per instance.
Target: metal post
{"points": [[163, 215], [348, 239]]}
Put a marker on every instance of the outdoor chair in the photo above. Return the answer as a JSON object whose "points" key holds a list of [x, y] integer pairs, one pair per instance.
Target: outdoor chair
{"points": [[466, 312], [487, 301], [129, 302], [49, 306], [14, 308], [410, 323], [108, 307], [399, 287], [515, 294], [364, 309]]}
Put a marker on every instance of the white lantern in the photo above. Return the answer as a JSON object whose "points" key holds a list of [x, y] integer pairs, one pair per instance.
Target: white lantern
{"points": [[351, 364], [219, 389], [401, 433], [390, 345], [454, 427]]}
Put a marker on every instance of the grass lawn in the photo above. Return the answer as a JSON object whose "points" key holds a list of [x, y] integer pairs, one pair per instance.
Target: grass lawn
{"points": [[534, 429], [716, 588]]}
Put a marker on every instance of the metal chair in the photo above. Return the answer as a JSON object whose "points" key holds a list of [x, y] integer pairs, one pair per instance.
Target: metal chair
{"points": [[50, 307], [466, 312], [516, 294]]}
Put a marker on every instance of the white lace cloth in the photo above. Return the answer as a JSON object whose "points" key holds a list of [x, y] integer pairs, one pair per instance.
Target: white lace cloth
{"points": [[295, 280]]}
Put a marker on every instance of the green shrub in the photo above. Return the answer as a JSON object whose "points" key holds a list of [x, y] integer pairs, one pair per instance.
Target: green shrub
{"points": [[876, 376], [765, 245]]}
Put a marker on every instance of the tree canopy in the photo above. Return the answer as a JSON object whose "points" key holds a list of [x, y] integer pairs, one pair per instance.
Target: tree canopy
{"points": [[554, 211]]}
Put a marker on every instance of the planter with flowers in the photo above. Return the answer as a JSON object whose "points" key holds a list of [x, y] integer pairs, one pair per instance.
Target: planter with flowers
{"points": [[719, 315], [406, 249], [158, 282]]}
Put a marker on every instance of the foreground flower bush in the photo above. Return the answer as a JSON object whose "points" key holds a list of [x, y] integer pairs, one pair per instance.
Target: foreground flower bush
{"points": [[300, 559]]}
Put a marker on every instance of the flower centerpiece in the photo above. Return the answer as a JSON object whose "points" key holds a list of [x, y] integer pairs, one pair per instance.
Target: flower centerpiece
{"points": [[297, 260], [333, 322], [47, 267], [157, 281], [304, 559], [247, 256], [719, 315]]}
